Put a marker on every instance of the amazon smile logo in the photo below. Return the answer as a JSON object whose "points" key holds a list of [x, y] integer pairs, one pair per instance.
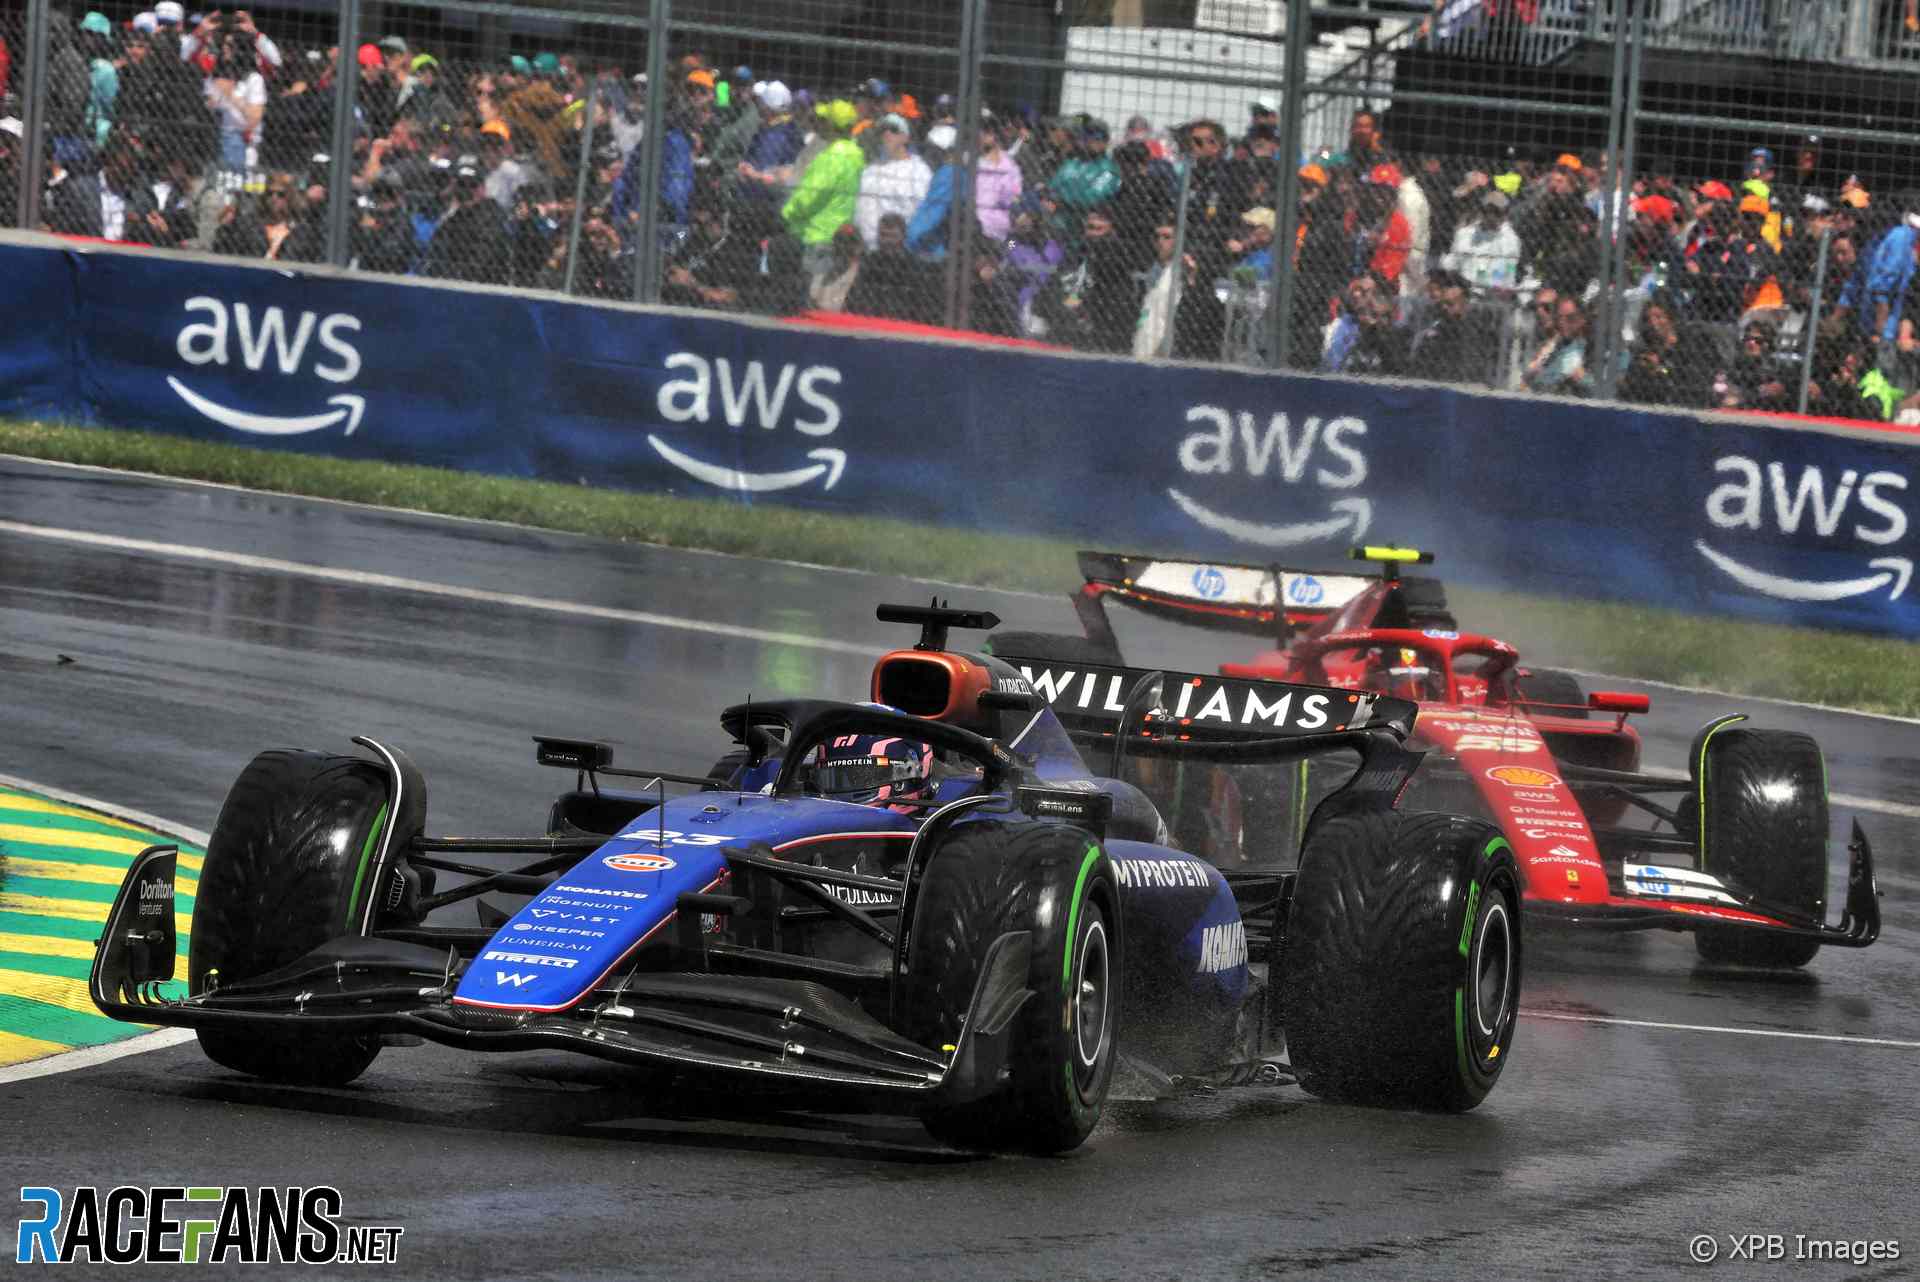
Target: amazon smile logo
{"points": [[1851, 506], [1312, 455], [220, 334], [790, 397]]}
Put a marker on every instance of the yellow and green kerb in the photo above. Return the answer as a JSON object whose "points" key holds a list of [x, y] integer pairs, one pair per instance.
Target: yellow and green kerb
{"points": [[60, 867]]}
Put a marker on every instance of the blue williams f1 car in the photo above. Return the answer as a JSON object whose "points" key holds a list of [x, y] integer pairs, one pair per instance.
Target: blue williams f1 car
{"points": [[928, 903]]}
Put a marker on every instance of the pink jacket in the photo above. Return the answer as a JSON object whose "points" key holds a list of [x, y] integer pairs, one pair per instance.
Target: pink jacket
{"points": [[995, 193]]}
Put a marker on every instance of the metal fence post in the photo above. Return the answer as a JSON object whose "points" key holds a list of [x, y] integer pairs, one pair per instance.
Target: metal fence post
{"points": [[1603, 334], [1811, 339], [33, 112], [1292, 149], [346, 83], [580, 183], [653, 147], [963, 220]]}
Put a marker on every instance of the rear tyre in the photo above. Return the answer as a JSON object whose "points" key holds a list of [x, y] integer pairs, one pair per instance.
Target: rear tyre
{"points": [[1426, 603], [1402, 966], [287, 868], [1549, 685], [988, 879], [1762, 822]]}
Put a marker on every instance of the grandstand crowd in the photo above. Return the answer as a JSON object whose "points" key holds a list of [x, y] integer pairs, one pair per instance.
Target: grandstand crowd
{"points": [[202, 131]]}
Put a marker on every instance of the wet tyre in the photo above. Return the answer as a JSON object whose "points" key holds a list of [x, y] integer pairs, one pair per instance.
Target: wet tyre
{"points": [[1762, 824], [1401, 984], [286, 869], [1548, 685], [1055, 882]]}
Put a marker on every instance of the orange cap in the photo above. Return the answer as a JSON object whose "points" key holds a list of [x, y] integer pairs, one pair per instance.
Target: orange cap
{"points": [[1857, 197], [1754, 205], [703, 78], [1313, 174], [1568, 160], [497, 127]]}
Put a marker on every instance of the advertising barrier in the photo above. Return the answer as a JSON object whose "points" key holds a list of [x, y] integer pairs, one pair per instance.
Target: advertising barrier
{"points": [[1793, 524]]}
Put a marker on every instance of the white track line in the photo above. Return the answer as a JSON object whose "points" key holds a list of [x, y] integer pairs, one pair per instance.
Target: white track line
{"points": [[1749, 698], [1718, 1028], [361, 578], [160, 1039], [387, 509]]}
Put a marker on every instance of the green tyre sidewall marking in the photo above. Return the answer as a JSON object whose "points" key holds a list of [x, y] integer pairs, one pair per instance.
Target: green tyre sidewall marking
{"points": [[1066, 960], [1468, 1070], [1700, 773], [366, 857]]}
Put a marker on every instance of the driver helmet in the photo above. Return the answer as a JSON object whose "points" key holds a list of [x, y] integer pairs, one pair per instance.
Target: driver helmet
{"points": [[1402, 673], [873, 770]]}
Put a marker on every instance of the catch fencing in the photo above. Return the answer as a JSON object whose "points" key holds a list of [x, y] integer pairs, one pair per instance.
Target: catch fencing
{"points": [[1674, 202]]}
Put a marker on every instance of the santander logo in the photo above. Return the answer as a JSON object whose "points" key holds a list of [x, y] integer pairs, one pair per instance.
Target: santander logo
{"points": [[270, 341]]}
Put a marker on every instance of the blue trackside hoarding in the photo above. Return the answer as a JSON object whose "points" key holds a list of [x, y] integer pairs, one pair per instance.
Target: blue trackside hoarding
{"points": [[1789, 523]]}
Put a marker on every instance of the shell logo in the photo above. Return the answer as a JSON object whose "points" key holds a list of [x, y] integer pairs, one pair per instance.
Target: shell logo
{"points": [[1521, 777], [638, 863]]}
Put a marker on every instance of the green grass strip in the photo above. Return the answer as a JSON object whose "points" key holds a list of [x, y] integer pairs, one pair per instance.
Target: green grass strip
{"points": [[52, 1023], [1872, 673]]}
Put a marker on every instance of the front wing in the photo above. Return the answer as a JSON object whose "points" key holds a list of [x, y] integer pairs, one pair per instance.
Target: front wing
{"points": [[778, 1031]]}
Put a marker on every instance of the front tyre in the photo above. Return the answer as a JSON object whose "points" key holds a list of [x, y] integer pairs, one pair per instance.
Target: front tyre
{"points": [[1401, 982], [1762, 823], [288, 867], [1055, 882]]}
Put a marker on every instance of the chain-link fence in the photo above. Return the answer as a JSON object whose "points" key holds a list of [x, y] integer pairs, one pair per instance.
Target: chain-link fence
{"points": [[1686, 202]]}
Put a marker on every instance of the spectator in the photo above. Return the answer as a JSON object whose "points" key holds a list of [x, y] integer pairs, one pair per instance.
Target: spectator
{"points": [[1875, 294], [990, 303], [1668, 365], [1486, 252], [109, 205], [505, 174], [715, 265], [896, 182], [533, 111], [1029, 261], [237, 94], [1365, 339], [997, 185], [1382, 238], [95, 40], [840, 269], [1215, 195], [1178, 304], [69, 83], [602, 272], [1757, 379], [893, 283], [533, 233], [1093, 302], [1560, 366], [1449, 348], [383, 238], [829, 190], [1147, 183], [771, 152], [1252, 249], [1087, 178], [1651, 248], [1140, 130], [471, 241], [681, 149]]}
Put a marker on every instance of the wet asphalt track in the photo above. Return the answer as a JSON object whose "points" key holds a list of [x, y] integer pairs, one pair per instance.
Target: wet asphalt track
{"points": [[1603, 1151]]}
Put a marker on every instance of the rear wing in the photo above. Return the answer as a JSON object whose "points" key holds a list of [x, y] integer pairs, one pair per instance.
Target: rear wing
{"points": [[1245, 598], [1272, 601], [1099, 701]]}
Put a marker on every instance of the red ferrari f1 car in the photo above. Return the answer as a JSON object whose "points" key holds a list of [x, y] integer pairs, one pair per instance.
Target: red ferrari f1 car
{"points": [[1735, 852]]}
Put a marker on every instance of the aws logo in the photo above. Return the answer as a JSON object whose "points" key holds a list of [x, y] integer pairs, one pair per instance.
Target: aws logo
{"points": [[271, 341], [1852, 506], [794, 397], [1303, 457]]}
